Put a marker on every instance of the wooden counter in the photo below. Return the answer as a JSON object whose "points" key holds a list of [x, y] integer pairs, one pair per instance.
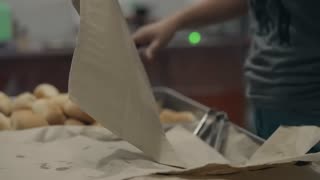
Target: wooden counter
{"points": [[211, 75]]}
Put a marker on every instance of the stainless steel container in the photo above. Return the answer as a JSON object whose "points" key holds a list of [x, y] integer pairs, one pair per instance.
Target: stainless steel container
{"points": [[212, 125]]}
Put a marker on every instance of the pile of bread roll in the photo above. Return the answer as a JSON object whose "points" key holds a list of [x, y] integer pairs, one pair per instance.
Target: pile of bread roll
{"points": [[169, 116], [45, 106]]}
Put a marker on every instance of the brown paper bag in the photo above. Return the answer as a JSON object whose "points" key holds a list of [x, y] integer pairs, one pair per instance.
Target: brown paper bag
{"points": [[108, 81]]}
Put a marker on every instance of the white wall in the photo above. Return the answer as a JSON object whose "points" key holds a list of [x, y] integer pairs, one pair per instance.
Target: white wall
{"points": [[160, 8], [54, 20], [45, 20]]}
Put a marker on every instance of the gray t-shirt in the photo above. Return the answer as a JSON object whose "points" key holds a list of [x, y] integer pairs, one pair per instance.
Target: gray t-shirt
{"points": [[283, 67]]}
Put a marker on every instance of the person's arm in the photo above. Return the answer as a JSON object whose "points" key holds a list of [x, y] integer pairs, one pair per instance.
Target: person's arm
{"points": [[157, 35]]}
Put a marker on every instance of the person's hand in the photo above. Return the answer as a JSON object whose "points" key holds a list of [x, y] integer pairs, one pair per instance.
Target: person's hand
{"points": [[155, 36]]}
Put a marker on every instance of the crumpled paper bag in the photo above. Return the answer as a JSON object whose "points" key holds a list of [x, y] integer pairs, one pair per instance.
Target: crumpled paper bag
{"points": [[77, 153], [107, 80], [87, 153]]}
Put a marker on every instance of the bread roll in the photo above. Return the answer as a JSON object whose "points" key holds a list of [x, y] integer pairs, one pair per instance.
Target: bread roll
{"points": [[72, 110], [26, 119], [60, 100], [45, 91], [5, 122], [170, 116], [73, 122], [5, 104], [51, 112], [23, 102]]}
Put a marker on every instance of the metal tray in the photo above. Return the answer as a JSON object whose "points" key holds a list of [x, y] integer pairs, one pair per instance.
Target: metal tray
{"points": [[176, 101], [212, 125]]}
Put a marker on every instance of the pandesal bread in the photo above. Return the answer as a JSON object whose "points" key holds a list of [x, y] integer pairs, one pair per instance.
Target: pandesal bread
{"points": [[23, 102], [5, 122], [51, 112], [170, 116], [45, 91], [60, 100], [26, 119], [73, 111], [73, 122], [5, 104]]}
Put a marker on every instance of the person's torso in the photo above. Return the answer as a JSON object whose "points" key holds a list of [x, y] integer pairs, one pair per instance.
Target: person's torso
{"points": [[283, 67]]}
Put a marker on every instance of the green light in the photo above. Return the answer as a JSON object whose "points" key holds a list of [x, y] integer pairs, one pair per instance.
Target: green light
{"points": [[194, 38]]}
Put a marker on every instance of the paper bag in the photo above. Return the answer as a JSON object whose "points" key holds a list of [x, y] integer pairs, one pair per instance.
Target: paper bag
{"points": [[287, 145], [108, 81], [90, 153]]}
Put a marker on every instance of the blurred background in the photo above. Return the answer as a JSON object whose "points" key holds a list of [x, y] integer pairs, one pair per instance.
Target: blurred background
{"points": [[37, 38]]}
